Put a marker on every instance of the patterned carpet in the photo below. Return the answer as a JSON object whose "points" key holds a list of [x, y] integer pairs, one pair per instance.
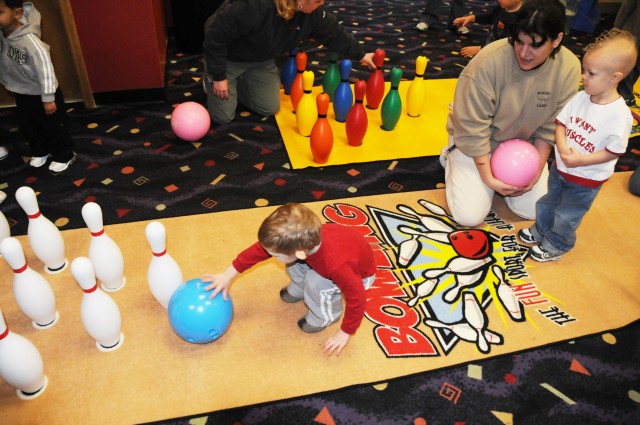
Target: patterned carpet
{"points": [[136, 169]]}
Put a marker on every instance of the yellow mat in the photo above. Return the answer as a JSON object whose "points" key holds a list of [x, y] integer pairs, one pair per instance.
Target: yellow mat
{"points": [[155, 375], [412, 137]]}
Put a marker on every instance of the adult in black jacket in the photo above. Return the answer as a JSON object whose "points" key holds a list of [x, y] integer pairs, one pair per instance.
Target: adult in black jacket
{"points": [[242, 40]]}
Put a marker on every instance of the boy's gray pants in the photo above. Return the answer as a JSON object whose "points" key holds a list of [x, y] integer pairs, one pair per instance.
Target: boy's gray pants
{"points": [[321, 296]]}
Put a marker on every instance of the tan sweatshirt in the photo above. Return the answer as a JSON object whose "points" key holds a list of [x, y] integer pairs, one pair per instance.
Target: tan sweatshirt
{"points": [[496, 101]]}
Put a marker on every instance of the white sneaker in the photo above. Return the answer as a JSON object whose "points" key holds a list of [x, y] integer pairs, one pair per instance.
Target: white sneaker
{"points": [[422, 26], [463, 31], [3, 153], [58, 167], [38, 161], [3, 196]]}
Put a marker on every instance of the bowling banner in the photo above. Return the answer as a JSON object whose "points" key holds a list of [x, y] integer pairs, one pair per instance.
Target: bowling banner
{"points": [[412, 137], [443, 295]]}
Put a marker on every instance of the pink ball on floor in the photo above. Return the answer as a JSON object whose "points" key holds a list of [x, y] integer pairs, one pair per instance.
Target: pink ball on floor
{"points": [[515, 162], [190, 121]]}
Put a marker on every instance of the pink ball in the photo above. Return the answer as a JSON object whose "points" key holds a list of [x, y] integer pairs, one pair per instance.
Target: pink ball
{"points": [[190, 121], [515, 162]]}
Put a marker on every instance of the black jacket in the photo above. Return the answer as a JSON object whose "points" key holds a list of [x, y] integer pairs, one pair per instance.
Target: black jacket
{"points": [[252, 31]]}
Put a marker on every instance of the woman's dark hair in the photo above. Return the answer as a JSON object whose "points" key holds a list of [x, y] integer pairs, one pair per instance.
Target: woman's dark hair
{"points": [[13, 4], [542, 18]]}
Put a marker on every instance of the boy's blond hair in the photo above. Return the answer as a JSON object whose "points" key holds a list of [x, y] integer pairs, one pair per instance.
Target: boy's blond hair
{"points": [[621, 49], [286, 8], [292, 227]]}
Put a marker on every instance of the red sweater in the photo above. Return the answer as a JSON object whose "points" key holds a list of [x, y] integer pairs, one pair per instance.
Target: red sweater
{"points": [[344, 257]]}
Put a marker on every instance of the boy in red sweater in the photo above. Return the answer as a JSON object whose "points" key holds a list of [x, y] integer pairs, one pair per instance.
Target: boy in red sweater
{"points": [[325, 263]]}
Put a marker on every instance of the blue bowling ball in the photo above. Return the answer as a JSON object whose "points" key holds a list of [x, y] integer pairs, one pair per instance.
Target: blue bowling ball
{"points": [[196, 318]]}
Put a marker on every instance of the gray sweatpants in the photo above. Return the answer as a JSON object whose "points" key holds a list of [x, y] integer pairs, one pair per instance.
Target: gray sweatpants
{"points": [[321, 296], [255, 85]]}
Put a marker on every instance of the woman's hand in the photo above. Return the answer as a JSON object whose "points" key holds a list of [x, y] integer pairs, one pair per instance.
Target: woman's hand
{"points": [[367, 61], [221, 89]]}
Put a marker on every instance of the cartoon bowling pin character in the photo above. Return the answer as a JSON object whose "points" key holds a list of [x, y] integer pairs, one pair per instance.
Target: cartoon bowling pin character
{"points": [[465, 332], [507, 298]]}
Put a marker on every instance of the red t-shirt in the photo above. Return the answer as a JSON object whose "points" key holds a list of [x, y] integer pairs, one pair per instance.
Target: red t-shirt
{"points": [[344, 257]]}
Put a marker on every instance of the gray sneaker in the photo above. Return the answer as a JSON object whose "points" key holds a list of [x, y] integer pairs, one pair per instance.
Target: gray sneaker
{"points": [[540, 254], [287, 297], [526, 236]]}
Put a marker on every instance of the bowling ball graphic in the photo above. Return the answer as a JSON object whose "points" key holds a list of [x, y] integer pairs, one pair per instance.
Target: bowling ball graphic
{"points": [[196, 318]]}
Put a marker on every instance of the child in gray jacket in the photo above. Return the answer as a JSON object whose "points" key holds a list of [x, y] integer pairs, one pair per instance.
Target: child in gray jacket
{"points": [[26, 71]]}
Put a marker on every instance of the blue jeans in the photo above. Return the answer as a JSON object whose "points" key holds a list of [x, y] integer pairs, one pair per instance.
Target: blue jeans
{"points": [[560, 212]]}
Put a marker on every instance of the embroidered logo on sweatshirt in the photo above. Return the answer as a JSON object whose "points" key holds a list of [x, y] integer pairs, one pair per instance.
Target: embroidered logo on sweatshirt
{"points": [[543, 99]]}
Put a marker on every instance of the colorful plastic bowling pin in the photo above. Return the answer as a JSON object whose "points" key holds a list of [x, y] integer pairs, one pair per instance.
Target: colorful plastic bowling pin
{"points": [[33, 294], [21, 364], [343, 97], [164, 274], [417, 93], [392, 104], [289, 71], [5, 231], [357, 120], [321, 142], [44, 237], [99, 313], [375, 83], [297, 88], [104, 253], [331, 77], [307, 112]]}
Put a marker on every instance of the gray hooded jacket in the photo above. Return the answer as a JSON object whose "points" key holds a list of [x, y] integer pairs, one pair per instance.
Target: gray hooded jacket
{"points": [[25, 63]]}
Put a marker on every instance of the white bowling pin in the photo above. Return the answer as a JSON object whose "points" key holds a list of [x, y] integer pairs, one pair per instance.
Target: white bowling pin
{"points": [[434, 208], [32, 292], [407, 250], [424, 290], [104, 253], [476, 317], [21, 364], [5, 232], [44, 237], [507, 298], [465, 332], [431, 223], [164, 274], [99, 312]]}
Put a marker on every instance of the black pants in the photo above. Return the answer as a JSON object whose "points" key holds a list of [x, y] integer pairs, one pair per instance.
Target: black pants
{"points": [[430, 13], [46, 134]]}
